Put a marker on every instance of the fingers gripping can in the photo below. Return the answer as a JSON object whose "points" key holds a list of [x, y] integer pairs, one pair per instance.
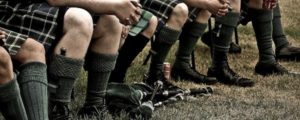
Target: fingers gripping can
{"points": [[167, 70]]}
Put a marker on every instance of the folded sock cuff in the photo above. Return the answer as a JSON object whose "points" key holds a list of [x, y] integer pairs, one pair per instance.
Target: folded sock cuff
{"points": [[100, 62], [62, 66]]}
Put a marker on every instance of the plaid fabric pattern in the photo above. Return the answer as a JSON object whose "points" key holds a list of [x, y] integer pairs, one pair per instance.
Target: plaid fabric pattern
{"points": [[142, 24], [163, 8], [160, 8], [13, 41], [36, 20]]}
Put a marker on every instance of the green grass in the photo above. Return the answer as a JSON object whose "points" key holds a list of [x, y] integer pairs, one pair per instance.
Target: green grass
{"points": [[273, 97]]}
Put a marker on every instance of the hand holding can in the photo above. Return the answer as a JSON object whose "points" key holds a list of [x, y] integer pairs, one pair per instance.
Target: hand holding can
{"points": [[269, 4]]}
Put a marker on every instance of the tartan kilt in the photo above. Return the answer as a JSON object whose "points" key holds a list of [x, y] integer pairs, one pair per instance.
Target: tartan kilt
{"points": [[13, 41], [37, 21], [142, 24], [163, 8]]}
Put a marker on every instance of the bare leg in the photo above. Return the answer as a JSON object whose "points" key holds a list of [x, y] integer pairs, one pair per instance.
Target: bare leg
{"points": [[187, 43], [77, 33], [33, 79], [165, 39], [64, 69], [11, 103], [178, 17], [132, 47], [220, 68], [6, 70], [100, 61]]}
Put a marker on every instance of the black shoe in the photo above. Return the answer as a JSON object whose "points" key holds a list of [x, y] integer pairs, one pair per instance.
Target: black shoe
{"points": [[227, 76], [234, 48], [59, 111], [288, 53], [93, 111], [192, 75], [266, 69]]}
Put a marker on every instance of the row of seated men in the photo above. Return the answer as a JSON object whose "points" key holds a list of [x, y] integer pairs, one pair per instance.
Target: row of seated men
{"points": [[45, 43]]}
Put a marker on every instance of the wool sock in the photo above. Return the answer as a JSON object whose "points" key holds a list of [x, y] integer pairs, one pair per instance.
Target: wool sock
{"points": [[11, 104], [262, 24], [279, 37], [224, 28], [191, 32], [162, 45], [63, 72], [132, 47], [99, 67], [33, 85]]}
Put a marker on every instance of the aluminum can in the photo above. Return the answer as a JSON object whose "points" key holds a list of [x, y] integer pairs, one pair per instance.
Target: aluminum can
{"points": [[167, 70]]}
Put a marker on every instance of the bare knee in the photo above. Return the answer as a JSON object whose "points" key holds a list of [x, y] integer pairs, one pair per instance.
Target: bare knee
{"points": [[180, 13], [80, 20], [6, 72], [236, 5], [203, 16], [107, 25], [78, 30], [31, 51], [150, 30], [107, 35]]}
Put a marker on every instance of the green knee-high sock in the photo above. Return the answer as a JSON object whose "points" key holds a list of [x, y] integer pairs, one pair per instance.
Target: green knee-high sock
{"points": [[224, 28], [11, 104], [262, 24], [33, 84], [279, 37], [165, 39], [63, 72], [132, 47], [191, 32], [99, 67]]}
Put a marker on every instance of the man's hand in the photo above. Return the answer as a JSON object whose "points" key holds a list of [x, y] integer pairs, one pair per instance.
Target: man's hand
{"points": [[269, 4], [125, 31], [218, 7], [128, 11], [2, 37], [262, 4]]}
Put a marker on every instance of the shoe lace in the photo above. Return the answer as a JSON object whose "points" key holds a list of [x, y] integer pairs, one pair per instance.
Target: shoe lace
{"points": [[234, 74], [61, 111]]}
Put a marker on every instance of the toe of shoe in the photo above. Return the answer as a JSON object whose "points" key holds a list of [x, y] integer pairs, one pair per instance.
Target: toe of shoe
{"points": [[245, 82], [210, 80]]}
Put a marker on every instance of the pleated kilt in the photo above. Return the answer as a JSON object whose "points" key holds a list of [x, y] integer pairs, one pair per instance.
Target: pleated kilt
{"points": [[163, 8], [22, 21]]}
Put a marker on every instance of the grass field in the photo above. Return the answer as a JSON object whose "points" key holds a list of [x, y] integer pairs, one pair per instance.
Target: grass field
{"points": [[273, 97]]}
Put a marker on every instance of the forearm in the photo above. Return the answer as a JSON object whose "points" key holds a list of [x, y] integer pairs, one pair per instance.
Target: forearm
{"points": [[197, 3]]}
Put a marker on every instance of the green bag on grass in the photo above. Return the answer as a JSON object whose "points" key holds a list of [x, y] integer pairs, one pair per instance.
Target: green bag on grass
{"points": [[129, 98]]}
